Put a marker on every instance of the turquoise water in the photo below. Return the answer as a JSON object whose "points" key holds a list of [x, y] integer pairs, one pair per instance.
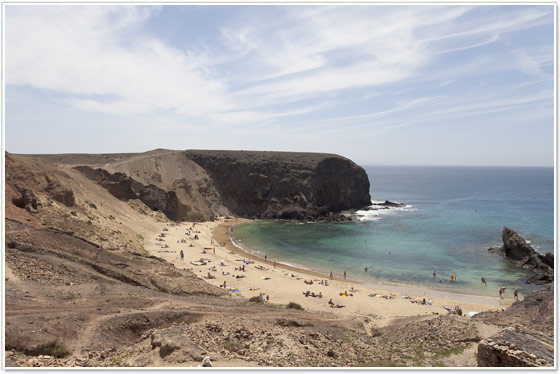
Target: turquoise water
{"points": [[452, 216]]}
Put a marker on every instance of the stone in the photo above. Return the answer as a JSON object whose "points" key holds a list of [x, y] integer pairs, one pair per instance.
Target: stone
{"points": [[531, 346]]}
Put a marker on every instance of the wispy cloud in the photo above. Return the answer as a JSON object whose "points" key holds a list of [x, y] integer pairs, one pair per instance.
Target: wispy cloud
{"points": [[373, 68]]}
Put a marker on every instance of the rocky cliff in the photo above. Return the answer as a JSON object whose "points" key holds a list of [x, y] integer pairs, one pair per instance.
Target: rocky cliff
{"points": [[284, 184], [198, 185]]}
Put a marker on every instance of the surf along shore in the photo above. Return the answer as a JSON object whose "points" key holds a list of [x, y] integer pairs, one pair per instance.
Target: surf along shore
{"points": [[283, 284]]}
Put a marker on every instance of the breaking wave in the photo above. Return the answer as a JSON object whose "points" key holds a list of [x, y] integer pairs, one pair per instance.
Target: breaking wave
{"points": [[376, 212]]}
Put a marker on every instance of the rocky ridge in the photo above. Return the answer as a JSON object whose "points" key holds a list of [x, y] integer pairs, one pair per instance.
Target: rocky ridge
{"points": [[198, 185]]}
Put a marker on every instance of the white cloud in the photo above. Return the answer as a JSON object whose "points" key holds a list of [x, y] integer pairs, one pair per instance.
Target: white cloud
{"points": [[293, 59], [99, 50]]}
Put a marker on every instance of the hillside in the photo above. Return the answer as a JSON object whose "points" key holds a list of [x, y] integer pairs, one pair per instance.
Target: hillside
{"points": [[199, 185]]}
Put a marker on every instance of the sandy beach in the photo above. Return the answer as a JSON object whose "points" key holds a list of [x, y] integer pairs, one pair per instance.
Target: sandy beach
{"points": [[283, 284]]}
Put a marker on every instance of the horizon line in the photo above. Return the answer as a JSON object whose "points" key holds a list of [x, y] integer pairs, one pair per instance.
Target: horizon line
{"points": [[463, 165], [248, 150]]}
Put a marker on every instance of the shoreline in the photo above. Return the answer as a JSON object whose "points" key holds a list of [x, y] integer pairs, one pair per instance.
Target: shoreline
{"points": [[391, 287], [210, 255]]}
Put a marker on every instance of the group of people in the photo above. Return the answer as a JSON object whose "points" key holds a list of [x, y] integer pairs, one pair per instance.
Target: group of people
{"points": [[241, 268], [332, 305], [414, 301], [515, 293], [312, 294]]}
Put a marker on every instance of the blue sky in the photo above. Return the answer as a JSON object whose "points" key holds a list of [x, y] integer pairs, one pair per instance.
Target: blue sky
{"points": [[380, 84]]}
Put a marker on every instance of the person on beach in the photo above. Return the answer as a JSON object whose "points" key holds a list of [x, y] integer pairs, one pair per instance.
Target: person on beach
{"points": [[344, 274], [502, 290], [243, 268], [182, 254], [434, 274], [331, 302], [484, 281], [515, 295], [275, 264], [214, 250], [265, 257], [331, 275], [365, 269]]}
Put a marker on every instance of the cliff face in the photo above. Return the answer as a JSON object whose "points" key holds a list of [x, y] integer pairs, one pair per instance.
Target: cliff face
{"points": [[198, 185], [284, 184]]}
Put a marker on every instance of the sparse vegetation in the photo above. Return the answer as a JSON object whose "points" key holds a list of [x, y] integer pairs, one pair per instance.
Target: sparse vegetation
{"points": [[292, 305], [376, 332], [256, 299], [54, 347], [449, 352]]}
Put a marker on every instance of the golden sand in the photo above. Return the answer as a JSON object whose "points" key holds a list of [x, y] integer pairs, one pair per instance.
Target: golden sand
{"points": [[261, 277]]}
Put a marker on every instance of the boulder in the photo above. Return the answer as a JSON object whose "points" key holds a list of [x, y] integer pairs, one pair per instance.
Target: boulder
{"points": [[27, 201]]}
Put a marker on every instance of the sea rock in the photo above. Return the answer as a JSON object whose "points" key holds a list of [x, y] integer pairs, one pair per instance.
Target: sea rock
{"points": [[518, 250], [388, 203], [515, 247]]}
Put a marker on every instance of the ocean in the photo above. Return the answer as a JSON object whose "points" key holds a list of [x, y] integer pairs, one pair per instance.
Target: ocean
{"points": [[452, 215]]}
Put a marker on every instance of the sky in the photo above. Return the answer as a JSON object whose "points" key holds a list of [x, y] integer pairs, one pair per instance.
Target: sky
{"points": [[379, 84]]}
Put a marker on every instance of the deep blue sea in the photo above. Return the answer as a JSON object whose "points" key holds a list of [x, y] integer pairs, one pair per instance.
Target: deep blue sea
{"points": [[452, 216]]}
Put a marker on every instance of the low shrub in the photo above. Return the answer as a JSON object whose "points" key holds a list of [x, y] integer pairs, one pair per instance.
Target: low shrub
{"points": [[293, 305], [256, 299], [54, 347]]}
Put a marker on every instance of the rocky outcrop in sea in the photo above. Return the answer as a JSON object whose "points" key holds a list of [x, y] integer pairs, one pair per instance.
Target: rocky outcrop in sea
{"points": [[518, 250]]}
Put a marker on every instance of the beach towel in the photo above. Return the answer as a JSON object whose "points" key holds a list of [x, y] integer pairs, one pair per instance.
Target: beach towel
{"points": [[254, 289], [236, 290], [448, 309], [472, 314], [372, 295], [265, 278]]}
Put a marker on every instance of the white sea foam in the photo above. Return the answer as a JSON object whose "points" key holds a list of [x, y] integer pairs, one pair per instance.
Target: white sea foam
{"points": [[376, 212]]}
